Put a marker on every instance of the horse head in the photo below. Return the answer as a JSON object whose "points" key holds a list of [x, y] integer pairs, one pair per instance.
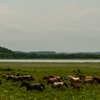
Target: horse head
{"points": [[68, 76]]}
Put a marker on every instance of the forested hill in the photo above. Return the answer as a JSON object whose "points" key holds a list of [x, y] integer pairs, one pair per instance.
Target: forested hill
{"points": [[9, 54], [5, 50]]}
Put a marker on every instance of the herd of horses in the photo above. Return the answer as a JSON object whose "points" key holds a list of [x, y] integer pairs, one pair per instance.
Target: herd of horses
{"points": [[55, 81]]}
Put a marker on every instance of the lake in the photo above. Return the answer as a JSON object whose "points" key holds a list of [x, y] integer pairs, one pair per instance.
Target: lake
{"points": [[37, 60]]}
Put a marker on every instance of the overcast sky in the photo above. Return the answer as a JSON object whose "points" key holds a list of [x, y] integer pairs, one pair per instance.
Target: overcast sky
{"points": [[50, 25]]}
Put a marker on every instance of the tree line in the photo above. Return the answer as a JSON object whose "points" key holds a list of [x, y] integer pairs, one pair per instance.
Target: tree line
{"points": [[9, 54], [45, 56]]}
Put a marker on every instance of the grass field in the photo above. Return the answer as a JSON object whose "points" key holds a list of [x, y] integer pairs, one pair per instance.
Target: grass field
{"points": [[11, 90]]}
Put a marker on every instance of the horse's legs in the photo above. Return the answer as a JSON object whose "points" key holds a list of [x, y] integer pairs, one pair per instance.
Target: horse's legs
{"points": [[59, 80], [27, 89]]}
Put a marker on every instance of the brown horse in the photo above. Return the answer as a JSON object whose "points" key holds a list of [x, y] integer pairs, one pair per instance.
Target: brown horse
{"points": [[97, 79], [87, 80], [75, 86], [53, 79], [56, 84], [88, 77], [4, 76], [20, 78], [52, 76], [75, 80]]}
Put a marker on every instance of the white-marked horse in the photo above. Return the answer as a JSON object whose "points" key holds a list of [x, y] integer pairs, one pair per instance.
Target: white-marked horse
{"points": [[56, 84], [71, 77]]}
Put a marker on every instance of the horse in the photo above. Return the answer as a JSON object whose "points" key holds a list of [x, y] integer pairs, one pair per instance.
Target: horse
{"points": [[75, 80], [87, 80], [75, 87], [97, 79], [35, 86], [71, 77], [28, 78], [15, 78], [20, 78], [53, 79], [56, 84], [9, 78], [25, 77], [88, 77], [4, 76], [52, 76]]}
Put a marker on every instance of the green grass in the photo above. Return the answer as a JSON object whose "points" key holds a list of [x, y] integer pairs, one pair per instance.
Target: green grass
{"points": [[11, 90]]}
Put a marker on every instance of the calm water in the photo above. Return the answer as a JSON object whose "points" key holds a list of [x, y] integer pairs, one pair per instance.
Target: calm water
{"points": [[50, 61]]}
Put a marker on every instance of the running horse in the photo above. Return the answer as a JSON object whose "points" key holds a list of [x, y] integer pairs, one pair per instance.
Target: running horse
{"points": [[75, 86], [87, 77], [35, 86], [75, 80], [55, 79], [87, 80], [56, 84], [52, 76], [97, 79], [4, 76], [71, 77]]}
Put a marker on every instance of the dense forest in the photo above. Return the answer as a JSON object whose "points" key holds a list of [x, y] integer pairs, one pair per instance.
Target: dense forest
{"points": [[9, 54]]}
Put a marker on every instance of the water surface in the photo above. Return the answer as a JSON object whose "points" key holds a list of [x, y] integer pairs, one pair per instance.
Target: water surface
{"points": [[37, 60]]}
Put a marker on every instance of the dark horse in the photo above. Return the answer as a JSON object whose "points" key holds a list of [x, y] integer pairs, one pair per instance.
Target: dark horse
{"points": [[36, 86], [97, 79]]}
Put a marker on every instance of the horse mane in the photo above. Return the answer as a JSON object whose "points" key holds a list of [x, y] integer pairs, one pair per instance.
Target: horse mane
{"points": [[46, 77], [51, 76]]}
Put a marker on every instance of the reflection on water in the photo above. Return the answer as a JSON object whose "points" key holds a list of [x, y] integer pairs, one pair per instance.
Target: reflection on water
{"points": [[49, 60]]}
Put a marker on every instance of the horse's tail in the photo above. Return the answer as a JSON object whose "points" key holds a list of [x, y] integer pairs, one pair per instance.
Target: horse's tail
{"points": [[66, 85], [42, 86]]}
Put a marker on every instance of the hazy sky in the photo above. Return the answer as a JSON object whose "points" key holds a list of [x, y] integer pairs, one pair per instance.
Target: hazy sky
{"points": [[50, 25]]}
